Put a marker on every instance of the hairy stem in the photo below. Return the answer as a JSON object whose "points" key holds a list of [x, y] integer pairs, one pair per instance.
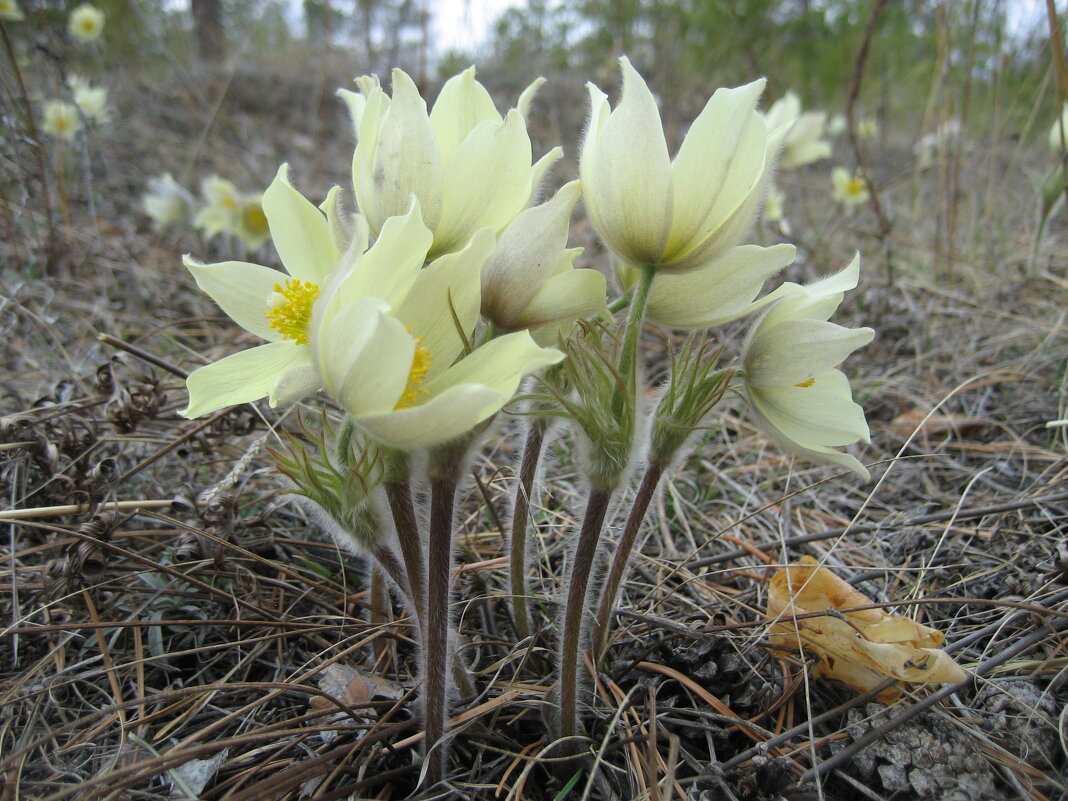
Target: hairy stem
{"points": [[520, 511], [644, 496], [575, 606], [399, 495], [379, 609], [436, 644]]}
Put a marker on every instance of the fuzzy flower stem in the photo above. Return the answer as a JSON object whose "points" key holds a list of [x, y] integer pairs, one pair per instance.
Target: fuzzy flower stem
{"points": [[639, 507], [388, 563], [436, 644], [575, 605], [520, 511], [399, 495], [379, 608], [628, 358]]}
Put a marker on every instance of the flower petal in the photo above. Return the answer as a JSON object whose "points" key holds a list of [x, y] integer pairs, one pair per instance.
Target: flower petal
{"points": [[793, 351], [405, 160], [365, 357], [448, 286], [570, 295], [246, 376], [499, 364], [628, 184], [439, 420], [820, 414], [527, 254], [724, 139], [462, 104], [300, 232], [721, 291], [497, 155], [241, 290]]}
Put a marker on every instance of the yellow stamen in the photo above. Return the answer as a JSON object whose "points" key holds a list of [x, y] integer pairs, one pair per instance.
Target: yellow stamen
{"points": [[290, 309], [416, 376], [807, 383], [855, 187], [253, 218]]}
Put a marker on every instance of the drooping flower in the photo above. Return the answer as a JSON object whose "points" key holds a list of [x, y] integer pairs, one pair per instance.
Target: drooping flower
{"points": [[1058, 132], [86, 23], [220, 212], [166, 201], [849, 189], [803, 144], [529, 281], [92, 100], [469, 167], [61, 120], [674, 215], [273, 305], [10, 11], [389, 338], [789, 363]]}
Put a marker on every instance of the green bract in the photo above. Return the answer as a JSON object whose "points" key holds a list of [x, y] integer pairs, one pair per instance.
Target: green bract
{"points": [[789, 365]]}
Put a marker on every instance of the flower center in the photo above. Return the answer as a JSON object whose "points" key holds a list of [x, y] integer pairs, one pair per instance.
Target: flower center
{"points": [[254, 219], [855, 186], [289, 309], [807, 383], [416, 376]]}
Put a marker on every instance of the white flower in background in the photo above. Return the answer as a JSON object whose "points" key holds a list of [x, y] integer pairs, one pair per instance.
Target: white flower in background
{"points": [[10, 11], [529, 280], [92, 100], [849, 189], [867, 128], [86, 23], [468, 166], [927, 148], [251, 226], [273, 305], [789, 363], [803, 144], [681, 214], [837, 125], [166, 201], [220, 212], [389, 339], [773, 205], [1058, 132], [61, 120]]}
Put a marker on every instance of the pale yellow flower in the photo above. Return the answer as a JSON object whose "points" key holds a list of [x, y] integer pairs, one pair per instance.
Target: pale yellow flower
{"points": [[868, 128], [468, 166], [220, 212], [681, 214], [86, 23], [773, 204], [166, 201], [61, 120], [10, 11], [92, 100], [789, 363], [803, 144], [273, 305], [252, 227], [389, 338], [849, 189], [529, 280]]}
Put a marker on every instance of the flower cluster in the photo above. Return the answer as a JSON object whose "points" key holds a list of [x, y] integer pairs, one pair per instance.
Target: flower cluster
{"points": [[421, 314]]}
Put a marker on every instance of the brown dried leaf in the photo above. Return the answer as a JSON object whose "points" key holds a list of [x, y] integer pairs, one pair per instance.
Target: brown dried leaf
{"points": [[859, 648]]}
